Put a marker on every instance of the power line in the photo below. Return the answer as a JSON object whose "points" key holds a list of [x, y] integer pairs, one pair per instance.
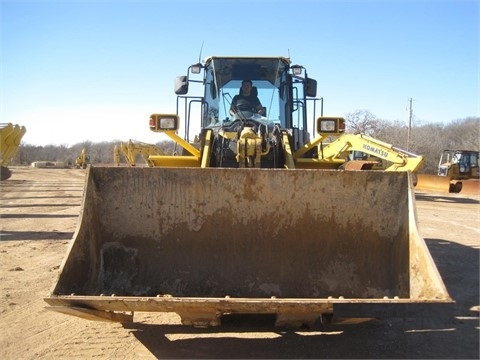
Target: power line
{"points": [[409, 124]]}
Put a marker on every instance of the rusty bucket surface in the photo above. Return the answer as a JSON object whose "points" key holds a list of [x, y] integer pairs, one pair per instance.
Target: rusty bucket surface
{"points": [[204, 242]]}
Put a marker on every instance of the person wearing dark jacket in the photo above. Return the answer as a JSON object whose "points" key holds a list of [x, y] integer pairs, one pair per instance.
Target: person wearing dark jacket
{"points": [[247, 101]]}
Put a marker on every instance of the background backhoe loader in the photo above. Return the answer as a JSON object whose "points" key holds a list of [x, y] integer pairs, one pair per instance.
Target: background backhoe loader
{"points": [[458, 171], [252, 217]]}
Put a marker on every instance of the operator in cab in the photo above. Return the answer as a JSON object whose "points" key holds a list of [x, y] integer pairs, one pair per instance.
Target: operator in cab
{"points": [[247, 101]]}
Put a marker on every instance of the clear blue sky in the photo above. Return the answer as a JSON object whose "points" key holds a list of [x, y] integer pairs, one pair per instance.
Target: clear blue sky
{"points": [[95, 70]]}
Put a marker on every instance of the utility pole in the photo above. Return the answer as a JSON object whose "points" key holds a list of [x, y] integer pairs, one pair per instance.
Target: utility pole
{"points": [[409, 125]]}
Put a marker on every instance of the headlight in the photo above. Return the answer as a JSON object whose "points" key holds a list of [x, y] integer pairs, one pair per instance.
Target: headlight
{"points": [[327, 126], [330, 125], [164, 122], [167, 123]]}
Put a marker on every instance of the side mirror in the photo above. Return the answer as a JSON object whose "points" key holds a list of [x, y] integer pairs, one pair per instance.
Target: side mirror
{"points": [[181, 85], [310, 87]]}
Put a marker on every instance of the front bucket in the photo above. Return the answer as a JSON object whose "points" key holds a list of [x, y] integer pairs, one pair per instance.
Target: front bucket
{"points": [[206, 242]]}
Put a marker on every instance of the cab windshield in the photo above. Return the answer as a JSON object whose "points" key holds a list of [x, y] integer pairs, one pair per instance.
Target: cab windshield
{"points": [[266, 93], [223, 80]]}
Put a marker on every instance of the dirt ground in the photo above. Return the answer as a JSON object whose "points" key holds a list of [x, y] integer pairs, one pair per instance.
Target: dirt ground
{"points": [[38, 214]]}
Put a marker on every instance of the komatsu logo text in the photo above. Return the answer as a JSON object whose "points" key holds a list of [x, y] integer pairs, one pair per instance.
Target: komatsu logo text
{"points": [[379, 152]]}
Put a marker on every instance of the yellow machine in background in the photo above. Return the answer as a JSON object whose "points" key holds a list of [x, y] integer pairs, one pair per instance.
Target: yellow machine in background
{"points": [[337, 153], [82, 160], [254, 217], [459, 164], [132, 149], [10, 138], [458, 172]]}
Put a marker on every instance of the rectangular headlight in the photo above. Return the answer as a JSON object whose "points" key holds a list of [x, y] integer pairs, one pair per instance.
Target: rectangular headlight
{"points": [[327, 126], [330, 125], [167, 123], [164, 122]]}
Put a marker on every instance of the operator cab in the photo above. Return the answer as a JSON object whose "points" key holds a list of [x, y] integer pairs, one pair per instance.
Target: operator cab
{"points": [[283, 91], [280, 89]]}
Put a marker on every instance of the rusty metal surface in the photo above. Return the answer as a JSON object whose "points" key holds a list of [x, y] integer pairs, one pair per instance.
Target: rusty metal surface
{"points": [[245, 233], [359, 165], [470, 186], [434, 183], [208, 311]]}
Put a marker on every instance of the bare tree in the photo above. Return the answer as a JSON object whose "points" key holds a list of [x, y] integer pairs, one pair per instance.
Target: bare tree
{"points": [[392, 132], [464, 134], [362, 121], [427, 140]]}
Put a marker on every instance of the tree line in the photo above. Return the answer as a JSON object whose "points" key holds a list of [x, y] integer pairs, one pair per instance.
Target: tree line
{"points": [[428, 140]]}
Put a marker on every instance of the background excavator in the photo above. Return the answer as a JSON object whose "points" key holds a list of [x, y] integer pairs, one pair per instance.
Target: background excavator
{"points": [[82, 160], [132, 150], [10, 138], [458, 172], [251, 217]]}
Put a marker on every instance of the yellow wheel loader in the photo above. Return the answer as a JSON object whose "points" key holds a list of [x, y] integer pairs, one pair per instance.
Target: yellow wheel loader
{"points": [[253, 217], [458, 172]]}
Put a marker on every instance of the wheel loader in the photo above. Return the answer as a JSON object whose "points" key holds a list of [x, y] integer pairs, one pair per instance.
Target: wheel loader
{"points": [[252, 216]]}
